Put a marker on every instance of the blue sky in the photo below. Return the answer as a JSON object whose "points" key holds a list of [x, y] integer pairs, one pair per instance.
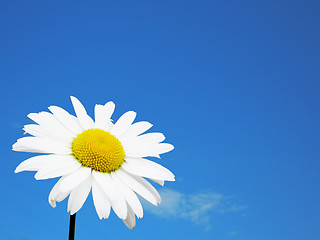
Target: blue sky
{"points": [[234, 86]]}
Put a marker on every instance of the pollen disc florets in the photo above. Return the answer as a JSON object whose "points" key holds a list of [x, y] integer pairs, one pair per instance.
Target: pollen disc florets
{"points": [[99, 150]]}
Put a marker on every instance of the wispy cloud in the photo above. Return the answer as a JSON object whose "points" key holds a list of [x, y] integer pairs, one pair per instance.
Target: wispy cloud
{"points": [[197, 208], [232, 234]]}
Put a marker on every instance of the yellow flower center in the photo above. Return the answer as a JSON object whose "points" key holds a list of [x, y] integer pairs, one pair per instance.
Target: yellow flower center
{"points": [[99, 150]]}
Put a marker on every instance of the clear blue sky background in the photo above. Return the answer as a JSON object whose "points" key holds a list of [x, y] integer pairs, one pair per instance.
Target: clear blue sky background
{"points": [[234, 85]]}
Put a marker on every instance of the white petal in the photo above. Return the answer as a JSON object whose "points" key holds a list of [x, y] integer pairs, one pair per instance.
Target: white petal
{"points": [[160, 182], [52, 126], [108, 186], [39, 131], [137, 150], [146, 168], [42, 118], [146, 162], [56, 195], [84, 119], [142, 141], [35, 163], [35, 130], [79, 195], [151, 138], [100, 200], [148, 150], [119, 206], [57, 169], [105, 182], [130, 221], [38, 117], [102, 121], [123, 123], [163, 148], [129, 195], [75, 179], [140, 186], [136, 129], [42, 161], [40, 145], [146, 171], [68, 121], [109, 108]]}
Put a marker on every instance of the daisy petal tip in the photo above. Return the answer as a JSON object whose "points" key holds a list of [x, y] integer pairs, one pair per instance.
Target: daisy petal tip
{"points": [[171, 179], [170, 146], [52, 108], [31, 115], [37, 177], [75, 101], [52, 203], [73, 98], [110, 103], [14, 146]]}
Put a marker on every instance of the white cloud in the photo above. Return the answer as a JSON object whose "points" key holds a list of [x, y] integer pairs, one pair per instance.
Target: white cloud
{"points": [[196, 208]]}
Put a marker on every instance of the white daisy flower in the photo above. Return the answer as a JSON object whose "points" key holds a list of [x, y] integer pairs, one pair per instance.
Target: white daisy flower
{"points": [[99, 155]]}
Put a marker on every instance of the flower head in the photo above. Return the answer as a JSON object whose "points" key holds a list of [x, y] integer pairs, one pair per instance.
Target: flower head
{"points": [[107, 158]]}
